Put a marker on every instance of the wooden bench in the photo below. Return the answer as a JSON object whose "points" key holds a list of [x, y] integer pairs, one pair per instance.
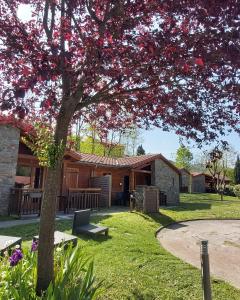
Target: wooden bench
{"points": [[61, 238], [7, 242], [81, 224]]}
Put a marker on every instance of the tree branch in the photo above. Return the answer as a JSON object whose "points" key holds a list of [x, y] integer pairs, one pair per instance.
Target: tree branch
{"points": [[91, 12], [105, 97], [76, 24], [45, 19]]}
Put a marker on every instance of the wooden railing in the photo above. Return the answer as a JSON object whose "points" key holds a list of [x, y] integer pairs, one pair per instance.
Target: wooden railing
{"points": [[28, 201], [25, 201], [82, 199]]}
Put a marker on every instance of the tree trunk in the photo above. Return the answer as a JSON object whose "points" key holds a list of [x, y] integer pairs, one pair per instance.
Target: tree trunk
{"points": [[45, 273], [46, 231]]}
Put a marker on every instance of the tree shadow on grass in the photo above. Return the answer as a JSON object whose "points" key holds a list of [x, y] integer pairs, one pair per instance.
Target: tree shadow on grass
{"points": [[27, 232], [139, 295], [96, 238], [189, 206], [66, 226], [158, 217]]}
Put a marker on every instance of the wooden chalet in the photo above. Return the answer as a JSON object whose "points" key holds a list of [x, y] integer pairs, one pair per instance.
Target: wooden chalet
{"points": [[88, 181]]}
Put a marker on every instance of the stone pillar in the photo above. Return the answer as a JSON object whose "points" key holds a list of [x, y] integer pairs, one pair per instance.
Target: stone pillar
{"points": [[147, 199], [9, 142], [167, 180]]}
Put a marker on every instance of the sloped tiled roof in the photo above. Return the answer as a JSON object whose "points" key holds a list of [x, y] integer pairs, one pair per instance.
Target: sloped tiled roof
{"points": [[197, 174], [112, 161], [194, 174], [131, 161]]}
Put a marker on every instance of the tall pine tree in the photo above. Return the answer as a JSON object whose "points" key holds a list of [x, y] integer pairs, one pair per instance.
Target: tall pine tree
{"points": [[140, 151], [237, 171]]}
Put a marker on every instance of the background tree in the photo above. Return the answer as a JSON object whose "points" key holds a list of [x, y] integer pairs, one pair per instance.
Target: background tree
{"points": [[199, 163], [161, 62], [140, 150], [183, 157], [237, 171], [131, 136], [217, 165]]}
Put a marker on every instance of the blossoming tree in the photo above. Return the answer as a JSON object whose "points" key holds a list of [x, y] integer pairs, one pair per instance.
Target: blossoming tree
{"points": [[173, 64]]}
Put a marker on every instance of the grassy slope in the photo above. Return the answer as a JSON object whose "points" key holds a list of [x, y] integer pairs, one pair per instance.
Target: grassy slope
{"points": [[133, 262]]}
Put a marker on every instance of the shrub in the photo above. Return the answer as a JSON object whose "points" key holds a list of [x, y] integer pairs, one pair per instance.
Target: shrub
{"points": [[74, 277], [236, 190], [229, 190]]}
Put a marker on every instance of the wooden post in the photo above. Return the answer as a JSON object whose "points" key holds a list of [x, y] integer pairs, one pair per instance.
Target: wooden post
{"points": [[190, 184], [206, 284], [132, 181]]}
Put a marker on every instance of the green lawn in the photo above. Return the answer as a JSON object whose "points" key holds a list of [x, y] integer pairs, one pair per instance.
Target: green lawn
{"points": [[132, 262]]}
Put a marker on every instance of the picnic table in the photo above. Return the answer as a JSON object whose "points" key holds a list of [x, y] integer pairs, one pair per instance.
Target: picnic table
{"points": [[61, 238], [7, 242]]}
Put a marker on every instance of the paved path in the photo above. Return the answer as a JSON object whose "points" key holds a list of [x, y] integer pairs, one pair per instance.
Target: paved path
{"points": [[183, 240], [34, 219]]}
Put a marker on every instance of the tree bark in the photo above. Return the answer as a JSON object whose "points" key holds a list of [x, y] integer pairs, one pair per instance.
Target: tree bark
{"points": [[45, 273], [46, 231]]}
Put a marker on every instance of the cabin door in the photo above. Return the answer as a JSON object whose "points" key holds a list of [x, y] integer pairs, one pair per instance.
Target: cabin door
{"points": [[72, 178]]}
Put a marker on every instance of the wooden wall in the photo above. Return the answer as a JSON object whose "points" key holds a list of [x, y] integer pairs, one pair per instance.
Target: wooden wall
{"points": [[142, 179], [75, 176], [117, 176]]}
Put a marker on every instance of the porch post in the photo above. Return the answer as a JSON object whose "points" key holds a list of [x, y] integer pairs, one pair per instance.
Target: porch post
{"points": [[132, 180]]}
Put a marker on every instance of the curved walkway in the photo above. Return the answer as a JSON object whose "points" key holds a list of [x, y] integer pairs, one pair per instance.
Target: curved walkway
{"points": [[183, 240]]}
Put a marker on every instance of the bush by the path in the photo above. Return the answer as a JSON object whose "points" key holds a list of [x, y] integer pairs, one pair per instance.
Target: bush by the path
{"points": [[74, 276]]}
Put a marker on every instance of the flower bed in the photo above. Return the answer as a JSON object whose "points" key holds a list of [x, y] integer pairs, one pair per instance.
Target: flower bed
{"points": [[74, 275]]}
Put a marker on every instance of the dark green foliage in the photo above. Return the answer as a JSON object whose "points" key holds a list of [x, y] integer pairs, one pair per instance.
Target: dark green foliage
{"points": [[140, 150], [237, 171]]}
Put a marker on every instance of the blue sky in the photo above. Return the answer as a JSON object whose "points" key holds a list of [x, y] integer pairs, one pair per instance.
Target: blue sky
{"points": [[167, 143]]}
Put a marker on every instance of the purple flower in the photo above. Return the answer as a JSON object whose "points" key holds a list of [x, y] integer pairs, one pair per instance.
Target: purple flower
{"points": [[15, 257], [34, 246]]}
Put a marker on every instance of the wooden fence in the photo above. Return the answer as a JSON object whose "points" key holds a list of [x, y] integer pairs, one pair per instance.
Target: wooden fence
{"points": [[25, 201], [82, 199]]}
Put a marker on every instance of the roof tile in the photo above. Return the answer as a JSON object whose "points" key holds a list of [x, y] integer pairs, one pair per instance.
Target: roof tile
{"points": [[131, 161]]}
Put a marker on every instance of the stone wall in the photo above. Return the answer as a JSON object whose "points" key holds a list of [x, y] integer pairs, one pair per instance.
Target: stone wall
{"points": [[167, 180], [146, 199], [9, 142], [198, 184], [185, 181]]}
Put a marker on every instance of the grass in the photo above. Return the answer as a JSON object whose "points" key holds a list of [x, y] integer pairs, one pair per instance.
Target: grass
{"points": [[132, 262]]}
